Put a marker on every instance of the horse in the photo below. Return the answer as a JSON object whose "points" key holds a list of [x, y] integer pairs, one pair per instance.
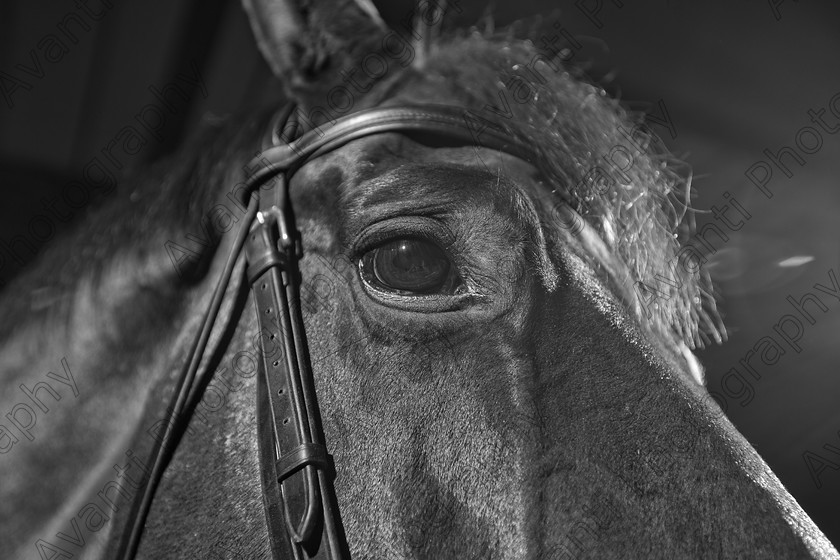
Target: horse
{"points": [[500, 371]]}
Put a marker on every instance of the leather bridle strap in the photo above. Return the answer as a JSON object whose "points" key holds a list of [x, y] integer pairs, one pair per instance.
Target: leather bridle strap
{"points": [[453, 124], [297, 472]]}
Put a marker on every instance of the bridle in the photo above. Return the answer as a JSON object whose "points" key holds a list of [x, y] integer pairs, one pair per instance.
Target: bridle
{"points": [[297, 472]]}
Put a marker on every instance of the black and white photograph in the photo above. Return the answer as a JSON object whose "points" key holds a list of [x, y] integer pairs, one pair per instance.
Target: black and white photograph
{"points": [[419, 280]]}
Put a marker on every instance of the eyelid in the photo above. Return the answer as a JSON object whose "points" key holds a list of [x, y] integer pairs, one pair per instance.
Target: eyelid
{"points": [[412, 227]]}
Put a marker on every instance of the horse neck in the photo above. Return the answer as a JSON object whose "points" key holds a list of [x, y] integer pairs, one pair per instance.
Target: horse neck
{"points": [[102, 318]]}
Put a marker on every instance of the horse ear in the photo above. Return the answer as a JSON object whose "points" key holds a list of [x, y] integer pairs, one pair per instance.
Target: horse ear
{"points": [[307, 43]]}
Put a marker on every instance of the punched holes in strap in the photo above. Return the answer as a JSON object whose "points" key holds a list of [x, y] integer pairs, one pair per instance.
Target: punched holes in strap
{"points": [[302, 455]]}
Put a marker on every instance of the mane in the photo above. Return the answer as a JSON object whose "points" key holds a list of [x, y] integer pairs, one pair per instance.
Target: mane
{"points": [[644, 218]]}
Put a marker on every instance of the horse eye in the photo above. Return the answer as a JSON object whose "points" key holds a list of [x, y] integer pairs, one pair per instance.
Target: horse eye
{"points": [[409, 267]]}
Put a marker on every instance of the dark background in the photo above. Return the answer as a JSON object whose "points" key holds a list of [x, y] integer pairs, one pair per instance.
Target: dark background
{"points": [[736, 79]]}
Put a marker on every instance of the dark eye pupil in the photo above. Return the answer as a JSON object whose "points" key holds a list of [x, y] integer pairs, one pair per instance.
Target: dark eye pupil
{"points": [[407, 265]]}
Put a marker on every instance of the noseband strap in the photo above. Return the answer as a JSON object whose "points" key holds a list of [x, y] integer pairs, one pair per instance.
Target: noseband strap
{"points": [[297, 472]]}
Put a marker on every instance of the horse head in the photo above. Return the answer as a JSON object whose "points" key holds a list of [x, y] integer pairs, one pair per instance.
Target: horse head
{"points": [[501, 343]]}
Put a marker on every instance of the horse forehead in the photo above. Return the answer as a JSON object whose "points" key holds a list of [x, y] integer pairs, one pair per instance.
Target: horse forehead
{"points": [[501, 176], [490, 189]]}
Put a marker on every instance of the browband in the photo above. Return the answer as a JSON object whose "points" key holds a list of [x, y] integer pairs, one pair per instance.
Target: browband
{"points": [[452, 123]]}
